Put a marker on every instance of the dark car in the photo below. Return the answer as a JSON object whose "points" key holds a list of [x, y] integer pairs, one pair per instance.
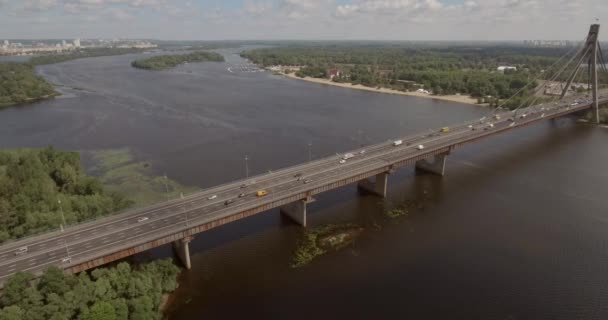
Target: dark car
{"points": [[241, 195], [297, 175], [243, 186], [229, 201], [307, 181]]}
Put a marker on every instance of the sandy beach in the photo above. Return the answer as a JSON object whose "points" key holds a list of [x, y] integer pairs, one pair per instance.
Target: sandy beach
{"points": [[452, 98]]}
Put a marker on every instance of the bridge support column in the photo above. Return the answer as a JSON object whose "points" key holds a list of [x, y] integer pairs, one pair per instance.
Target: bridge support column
{"points": [[377, 187], [296, 211], [182, 250], [436, 167]]}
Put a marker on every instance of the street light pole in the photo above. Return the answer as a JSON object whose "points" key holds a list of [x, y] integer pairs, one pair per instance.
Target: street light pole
{"points": [[62, 216], [67, 249], [166, 188], [246, 167], [310, 151]]}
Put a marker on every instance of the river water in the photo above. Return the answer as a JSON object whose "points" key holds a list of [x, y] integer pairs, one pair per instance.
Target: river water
{"points": [[515, 230]]}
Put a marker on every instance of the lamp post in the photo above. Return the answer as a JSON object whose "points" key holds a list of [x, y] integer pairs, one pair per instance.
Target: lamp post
{"points": [[67, 249], [62, 216], [166, 188], [310, 151], [246, 167]]}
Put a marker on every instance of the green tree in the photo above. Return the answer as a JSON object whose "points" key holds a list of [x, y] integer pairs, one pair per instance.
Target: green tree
{"points": [[100, 311], [12, 313]]}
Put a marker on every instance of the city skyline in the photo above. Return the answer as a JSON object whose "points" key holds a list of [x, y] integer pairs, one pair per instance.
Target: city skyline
{"points": [[299, 19]]}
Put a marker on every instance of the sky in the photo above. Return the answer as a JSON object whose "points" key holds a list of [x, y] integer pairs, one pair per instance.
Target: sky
{"points": [[302, 19]]}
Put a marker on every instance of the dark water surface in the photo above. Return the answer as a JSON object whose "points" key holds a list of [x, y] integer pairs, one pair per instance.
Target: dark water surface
{"points": [[515, 230]]}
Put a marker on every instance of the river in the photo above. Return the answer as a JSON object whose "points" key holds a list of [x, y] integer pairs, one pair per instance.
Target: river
{"points": [[515, 230]]}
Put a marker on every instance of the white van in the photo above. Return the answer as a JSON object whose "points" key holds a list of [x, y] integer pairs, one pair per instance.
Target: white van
{"points": [[21, 251], [348, 156], [397, 142]]}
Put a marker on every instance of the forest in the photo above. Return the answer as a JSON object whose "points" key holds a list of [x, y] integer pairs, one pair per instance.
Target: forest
{"points": [[81, 53], [117, 293], [37, 186], [170, 61], [470, 70], [19, 83]]}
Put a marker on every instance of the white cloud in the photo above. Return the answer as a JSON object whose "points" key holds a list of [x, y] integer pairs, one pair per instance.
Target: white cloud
{"points": [[39, 5], [305, 19], [257, 7]]}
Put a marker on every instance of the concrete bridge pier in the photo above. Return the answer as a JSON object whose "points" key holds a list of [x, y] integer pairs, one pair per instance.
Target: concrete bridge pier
{"points": [[377, 187], [296, 211], [436, 167], [182, 250]]}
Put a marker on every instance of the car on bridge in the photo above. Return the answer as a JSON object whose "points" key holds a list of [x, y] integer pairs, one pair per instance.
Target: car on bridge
{"points": [[241, 195], [21, 251], [142, 219], [420, 147], [307, 181], [342, 161], [261, 193], [212, 197], [66, 260], [397, 142], [348, 156], [445, 129], [229, 201]]}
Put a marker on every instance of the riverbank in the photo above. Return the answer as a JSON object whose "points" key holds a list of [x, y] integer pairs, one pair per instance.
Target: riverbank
{"points": [[451, 98], [19, 84]]}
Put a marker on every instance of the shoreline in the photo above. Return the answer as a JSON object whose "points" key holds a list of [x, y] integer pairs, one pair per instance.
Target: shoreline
{"points": [[452, 98]]}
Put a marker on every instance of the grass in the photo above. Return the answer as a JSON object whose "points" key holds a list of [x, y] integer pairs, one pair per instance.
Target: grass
{"points": [[120, 172], [319, 241]]}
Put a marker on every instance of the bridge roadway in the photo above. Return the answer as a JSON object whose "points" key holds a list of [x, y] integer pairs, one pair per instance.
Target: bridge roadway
{"points": [[104, 240]]}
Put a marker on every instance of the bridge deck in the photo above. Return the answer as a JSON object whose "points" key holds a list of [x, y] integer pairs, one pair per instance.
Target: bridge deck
{"points": [[98, 242]]}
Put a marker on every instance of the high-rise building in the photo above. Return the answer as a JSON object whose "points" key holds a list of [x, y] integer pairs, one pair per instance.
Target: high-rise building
{"points": [[6, 43], [63, 43], [77, 43]]}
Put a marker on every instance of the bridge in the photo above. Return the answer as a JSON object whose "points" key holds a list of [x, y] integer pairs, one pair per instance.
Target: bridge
{"points": [[92, 244]]}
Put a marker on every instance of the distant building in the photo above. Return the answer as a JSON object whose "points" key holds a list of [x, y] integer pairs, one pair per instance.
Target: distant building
{"points": [[332, 73], [63, 43], [6, 43], [77, 43], [503, 68]]}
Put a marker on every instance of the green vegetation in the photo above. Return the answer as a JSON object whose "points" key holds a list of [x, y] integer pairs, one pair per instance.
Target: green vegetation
{"points": [[603, 115], [81, 53], [118, 293], [318, 241], [170, 61], [34, 182], [470, 70], [396, 213], [20, 84], [120, 173]]}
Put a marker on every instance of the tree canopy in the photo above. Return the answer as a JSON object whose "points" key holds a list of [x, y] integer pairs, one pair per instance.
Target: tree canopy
{"points": [[170, 61], [37, 185], [19, 83], [119, 293]]}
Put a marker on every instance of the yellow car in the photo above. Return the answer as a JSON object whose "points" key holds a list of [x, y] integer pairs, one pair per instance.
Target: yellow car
{"points": [[261, 193]]}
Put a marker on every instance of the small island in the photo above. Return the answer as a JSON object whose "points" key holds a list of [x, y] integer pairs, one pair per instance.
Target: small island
{"points": [[169, 61]]}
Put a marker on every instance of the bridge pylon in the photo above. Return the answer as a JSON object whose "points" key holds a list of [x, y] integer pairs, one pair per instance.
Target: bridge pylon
{"points": [[589, 53]]}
